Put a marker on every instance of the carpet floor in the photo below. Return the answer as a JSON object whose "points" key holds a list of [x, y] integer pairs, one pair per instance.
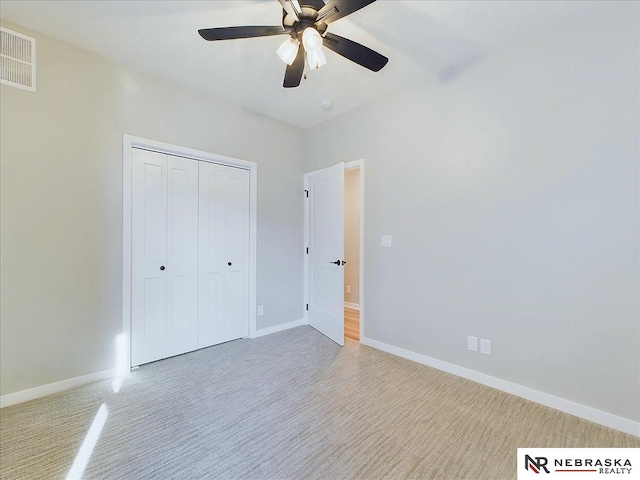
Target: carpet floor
{"points": [[288, 405]]}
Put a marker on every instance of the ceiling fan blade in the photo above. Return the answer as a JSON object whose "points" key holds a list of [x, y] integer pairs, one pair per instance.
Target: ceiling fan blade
{"points": [[337, 9], [230, 33], [293, 74], [290, 8], [355, 52]]}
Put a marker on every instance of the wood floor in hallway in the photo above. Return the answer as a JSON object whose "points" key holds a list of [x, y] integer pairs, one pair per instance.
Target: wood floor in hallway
{"points": [[352, 323]]}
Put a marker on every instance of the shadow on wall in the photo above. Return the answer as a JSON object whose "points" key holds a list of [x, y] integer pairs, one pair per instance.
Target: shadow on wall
{"points": [[449, 73], [441, 52]]}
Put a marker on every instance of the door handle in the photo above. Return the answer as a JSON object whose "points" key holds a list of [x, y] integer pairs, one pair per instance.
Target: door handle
{"points": [[343, 262], [162, 267], [337, 262], [229, 263]]}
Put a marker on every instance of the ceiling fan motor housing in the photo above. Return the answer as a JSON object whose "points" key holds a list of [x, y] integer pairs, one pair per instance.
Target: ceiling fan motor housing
{"points": [[307, 18]]}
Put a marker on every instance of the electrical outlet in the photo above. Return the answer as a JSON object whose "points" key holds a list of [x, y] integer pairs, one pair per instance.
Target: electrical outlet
{"points": [[472, 343], [260, 310], [485, 346], [348, 288]]}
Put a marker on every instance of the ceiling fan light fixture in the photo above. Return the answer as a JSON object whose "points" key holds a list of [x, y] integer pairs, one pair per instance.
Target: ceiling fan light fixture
{"points": [[316, 59], [311, 40], [306, 23], [288, 50]]}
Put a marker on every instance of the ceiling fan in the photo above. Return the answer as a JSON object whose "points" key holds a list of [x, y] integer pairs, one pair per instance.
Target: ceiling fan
{"points": [[306, 22]]}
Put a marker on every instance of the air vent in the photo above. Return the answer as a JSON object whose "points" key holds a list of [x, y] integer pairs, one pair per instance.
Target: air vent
{"points": [[18, 53]]}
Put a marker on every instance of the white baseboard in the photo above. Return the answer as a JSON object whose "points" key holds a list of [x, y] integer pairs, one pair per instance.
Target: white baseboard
{"points": [[567, 406], [353, 306], [278, 328], [44, 390]]}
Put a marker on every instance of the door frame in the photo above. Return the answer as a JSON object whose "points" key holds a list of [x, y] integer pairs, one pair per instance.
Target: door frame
{"points": [[357, 164], [129, 142]]}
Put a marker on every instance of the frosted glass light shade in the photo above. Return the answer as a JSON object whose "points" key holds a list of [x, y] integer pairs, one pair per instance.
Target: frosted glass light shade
{"points": [[316, 59], [289, 50], [311, 40]]}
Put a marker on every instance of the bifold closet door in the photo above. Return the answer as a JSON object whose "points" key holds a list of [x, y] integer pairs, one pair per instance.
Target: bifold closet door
{"points": [[223, 312], [164, 299], [149, 253], [182, 256]]}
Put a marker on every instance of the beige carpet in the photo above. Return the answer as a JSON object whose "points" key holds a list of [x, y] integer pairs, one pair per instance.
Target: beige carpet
{"points": [[290, 405]]}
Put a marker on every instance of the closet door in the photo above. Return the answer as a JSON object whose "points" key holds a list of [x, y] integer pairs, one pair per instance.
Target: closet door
{"points": [[211, 254], [223, 254], [237, 250], [165, 256], [149, 257], [182, 256]]}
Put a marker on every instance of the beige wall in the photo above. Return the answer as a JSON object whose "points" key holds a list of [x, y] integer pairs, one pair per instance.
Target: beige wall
{"points": [[352, 235], [512, 194], [61, 205]]}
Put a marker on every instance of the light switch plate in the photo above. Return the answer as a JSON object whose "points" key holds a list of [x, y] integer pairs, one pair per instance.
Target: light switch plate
{"points": [[260, 310], [472, 343], [386, 240]]}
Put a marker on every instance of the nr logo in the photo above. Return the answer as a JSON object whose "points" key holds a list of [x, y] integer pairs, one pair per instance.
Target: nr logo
{"points": [[536, 465]]}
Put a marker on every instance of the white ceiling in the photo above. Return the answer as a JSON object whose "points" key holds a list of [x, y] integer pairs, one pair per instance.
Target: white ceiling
{"points": [[424, 40]]}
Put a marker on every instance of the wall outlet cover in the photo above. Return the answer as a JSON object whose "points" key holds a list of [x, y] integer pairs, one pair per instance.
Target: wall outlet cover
{"points": [[485, 346], [385, 240], [472, 343], [348, 288]]}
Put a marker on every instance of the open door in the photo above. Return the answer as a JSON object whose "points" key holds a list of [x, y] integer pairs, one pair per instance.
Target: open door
{"points": [[325, 259]]}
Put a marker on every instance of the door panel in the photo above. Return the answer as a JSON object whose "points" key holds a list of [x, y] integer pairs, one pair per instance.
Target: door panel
{"points": [[326, 246], [149, 253], [237, 248], [153, 310], [211, 285], [182, 261], [223, 312], [211, 310]]}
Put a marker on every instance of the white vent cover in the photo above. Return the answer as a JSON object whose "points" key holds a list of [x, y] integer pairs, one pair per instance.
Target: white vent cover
{"points": [[18, 53]]}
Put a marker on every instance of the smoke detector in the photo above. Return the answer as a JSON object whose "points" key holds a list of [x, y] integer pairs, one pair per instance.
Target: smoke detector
{"points": [[326, 105]]}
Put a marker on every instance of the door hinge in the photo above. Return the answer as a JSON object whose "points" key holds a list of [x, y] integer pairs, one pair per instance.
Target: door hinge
{"points": [[307, 306], [307, 192]]}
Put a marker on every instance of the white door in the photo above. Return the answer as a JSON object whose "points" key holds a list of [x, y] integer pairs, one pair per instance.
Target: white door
{"points": [[164, 256], [223, 311], [325, 236], [182, 256], [149, 257], [237, 249]]}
